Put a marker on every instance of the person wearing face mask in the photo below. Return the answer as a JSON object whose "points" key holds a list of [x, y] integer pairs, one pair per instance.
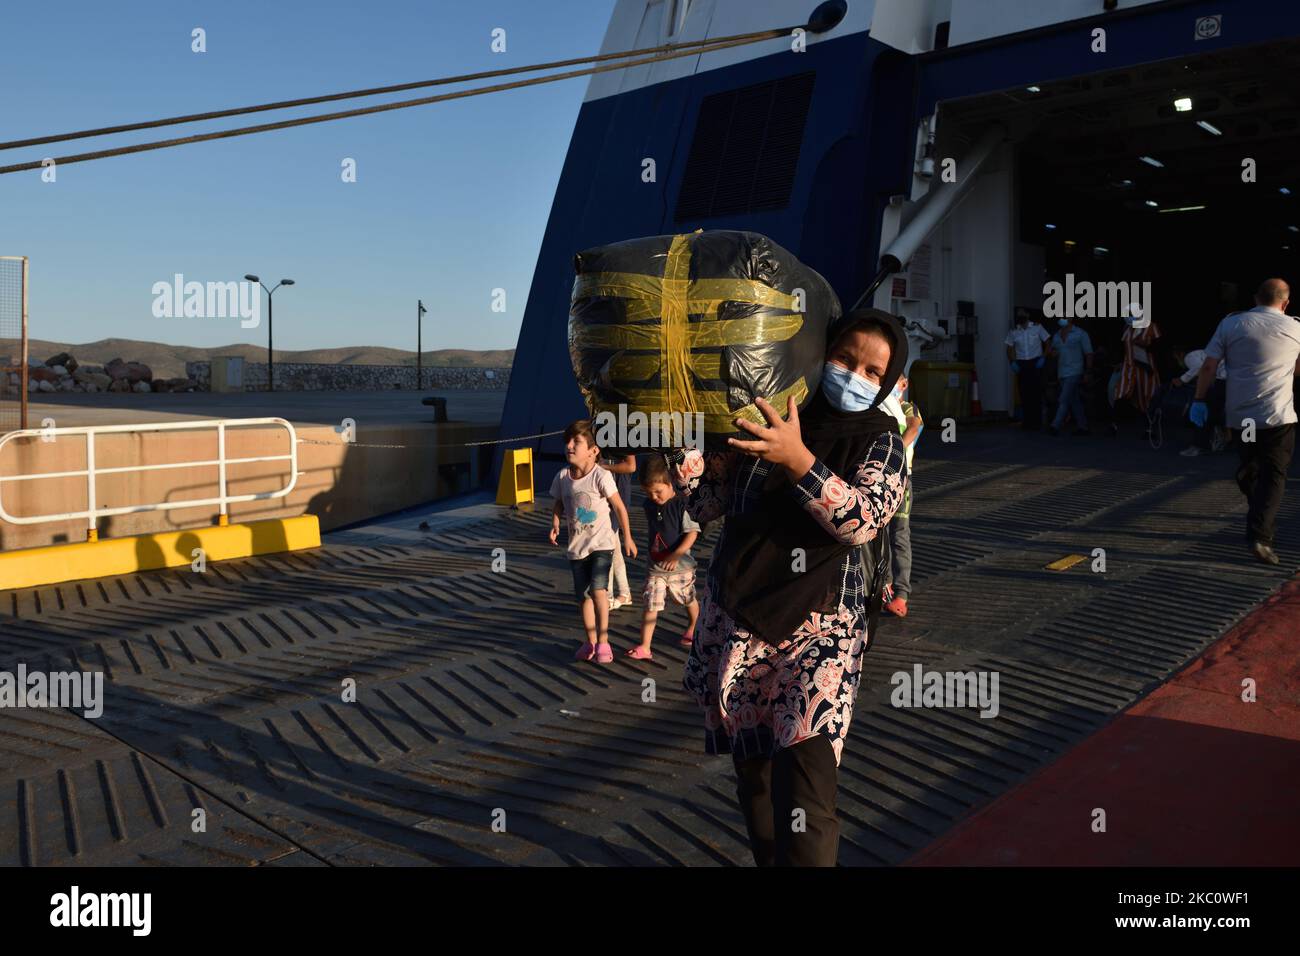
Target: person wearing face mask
{"points": [[1025, 353], [1073, 349], [1138, 378], [790, 605]]}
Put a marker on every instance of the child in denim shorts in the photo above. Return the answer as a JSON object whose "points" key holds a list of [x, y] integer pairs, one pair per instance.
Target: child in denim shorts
{"points": [[585, 493]]}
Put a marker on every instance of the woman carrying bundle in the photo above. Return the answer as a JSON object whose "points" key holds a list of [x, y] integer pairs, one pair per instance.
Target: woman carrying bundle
{"points": [[790, 608]]}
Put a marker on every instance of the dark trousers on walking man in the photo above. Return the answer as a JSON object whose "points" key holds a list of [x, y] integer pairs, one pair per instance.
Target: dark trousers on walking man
{"points": [[1261, 477], [1030, 382]]}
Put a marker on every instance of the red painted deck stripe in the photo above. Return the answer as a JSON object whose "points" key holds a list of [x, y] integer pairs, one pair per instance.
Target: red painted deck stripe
{"points": [[1189, 776]]}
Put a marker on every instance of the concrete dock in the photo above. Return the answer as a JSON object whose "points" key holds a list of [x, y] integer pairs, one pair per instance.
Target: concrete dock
{"points": [[309, 408], [397, 457]]}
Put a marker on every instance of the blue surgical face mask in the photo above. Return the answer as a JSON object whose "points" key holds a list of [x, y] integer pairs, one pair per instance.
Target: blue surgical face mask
{"points": [[845, 390], [1062, 322]]}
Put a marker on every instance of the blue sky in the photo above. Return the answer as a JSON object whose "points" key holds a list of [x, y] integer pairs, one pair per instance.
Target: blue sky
{"points": [[451, 200]]}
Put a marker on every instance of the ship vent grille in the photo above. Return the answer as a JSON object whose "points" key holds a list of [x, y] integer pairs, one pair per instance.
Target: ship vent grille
{"points": [[746, 149]]}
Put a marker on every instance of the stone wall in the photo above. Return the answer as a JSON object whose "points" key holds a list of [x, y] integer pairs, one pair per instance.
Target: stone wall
{"points": [[302, 377]]}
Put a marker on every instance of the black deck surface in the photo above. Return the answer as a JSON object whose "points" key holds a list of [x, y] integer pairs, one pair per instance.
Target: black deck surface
{"points": [[224, 688]]}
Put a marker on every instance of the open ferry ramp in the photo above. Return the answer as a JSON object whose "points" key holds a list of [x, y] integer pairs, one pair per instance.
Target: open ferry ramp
{"points": [[228, 736]]}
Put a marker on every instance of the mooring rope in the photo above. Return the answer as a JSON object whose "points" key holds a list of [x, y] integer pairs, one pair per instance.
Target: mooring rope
{"points": [[666, 52]]}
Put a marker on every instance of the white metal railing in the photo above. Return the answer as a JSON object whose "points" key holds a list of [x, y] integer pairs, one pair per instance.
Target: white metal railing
{"points": [[94, 512]]}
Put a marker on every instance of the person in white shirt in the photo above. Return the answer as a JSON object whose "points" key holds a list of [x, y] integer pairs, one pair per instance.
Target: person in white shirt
{"points": [[1194, 360], [1024, 344], [1205, 438], [586, 495], [1262, 349]]}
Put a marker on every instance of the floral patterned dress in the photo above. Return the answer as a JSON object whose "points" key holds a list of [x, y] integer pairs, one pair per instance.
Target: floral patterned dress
{"points": [[757, 697]]}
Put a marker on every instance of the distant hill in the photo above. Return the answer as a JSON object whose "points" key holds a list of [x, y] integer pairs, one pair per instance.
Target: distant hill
{"points": [[168, 361]]}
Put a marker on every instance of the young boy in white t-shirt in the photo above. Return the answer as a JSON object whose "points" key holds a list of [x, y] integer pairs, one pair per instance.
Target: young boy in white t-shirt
{"points": [[584, 494]]}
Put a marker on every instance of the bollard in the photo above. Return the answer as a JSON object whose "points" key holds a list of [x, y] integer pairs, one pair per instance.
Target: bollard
{"points": [[439, 408]]}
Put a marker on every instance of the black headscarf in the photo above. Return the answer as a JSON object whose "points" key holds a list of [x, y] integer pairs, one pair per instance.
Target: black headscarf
{"points": [[764, 586]]}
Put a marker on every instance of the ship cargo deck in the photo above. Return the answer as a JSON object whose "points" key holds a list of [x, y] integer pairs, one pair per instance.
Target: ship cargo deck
{"points": [[223, 689]]}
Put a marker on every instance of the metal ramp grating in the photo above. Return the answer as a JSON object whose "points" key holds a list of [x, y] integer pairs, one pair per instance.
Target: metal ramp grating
{"points": [[224, 689]]}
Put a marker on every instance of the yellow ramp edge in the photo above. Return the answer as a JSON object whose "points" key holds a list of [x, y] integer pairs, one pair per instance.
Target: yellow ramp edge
{"points": [[1069, 561], [34, 567]]}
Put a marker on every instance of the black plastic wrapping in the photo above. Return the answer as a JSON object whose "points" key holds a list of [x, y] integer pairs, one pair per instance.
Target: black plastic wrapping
{"points": [[621, 286]]}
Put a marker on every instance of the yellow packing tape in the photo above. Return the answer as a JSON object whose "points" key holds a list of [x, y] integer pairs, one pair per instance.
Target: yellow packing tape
{"points": [[718, 415], [723, 423], [755, 330], [672, 299], [676, 385], [638, 368], [703, 296]]}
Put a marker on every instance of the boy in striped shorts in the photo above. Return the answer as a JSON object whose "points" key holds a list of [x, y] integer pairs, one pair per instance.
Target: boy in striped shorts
{"points": [[672, 567]]}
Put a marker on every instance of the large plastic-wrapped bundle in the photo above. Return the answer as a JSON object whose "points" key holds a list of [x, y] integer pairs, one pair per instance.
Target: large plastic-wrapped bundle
{"points": [[694, 325]]}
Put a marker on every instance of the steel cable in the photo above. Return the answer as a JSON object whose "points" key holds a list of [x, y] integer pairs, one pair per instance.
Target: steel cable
{"points": [[669, 52]]}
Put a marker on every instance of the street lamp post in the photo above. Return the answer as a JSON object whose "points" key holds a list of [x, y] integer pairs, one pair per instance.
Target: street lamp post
{"points": [[419, 331], [270, 328]]}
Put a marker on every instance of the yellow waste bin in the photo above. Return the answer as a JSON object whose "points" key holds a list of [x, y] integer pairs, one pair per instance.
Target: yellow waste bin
{"points": [[941, 389]]}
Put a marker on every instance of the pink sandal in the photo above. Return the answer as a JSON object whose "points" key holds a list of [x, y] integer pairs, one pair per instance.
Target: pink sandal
{"points": [[640, 653], [586, 651], [604, 654]]}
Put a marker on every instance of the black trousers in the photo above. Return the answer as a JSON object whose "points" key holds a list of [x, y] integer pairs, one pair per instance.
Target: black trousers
{"points": [[803, 777], [1261, 477], [1030, 380]]}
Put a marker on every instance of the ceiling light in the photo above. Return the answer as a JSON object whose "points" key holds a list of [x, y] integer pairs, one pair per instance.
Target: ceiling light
{"points": [[1152, 202], [1293, 228], [1152, 162], [1034, 89], [1050, 225], [1284, 191], [1099, 251], [1209, 127], [1182, 208], [1183, 104]]}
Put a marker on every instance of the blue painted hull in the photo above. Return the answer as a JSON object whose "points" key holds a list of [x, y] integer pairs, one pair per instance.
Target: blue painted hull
{"points": [[853, 157], [857, 151]]}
